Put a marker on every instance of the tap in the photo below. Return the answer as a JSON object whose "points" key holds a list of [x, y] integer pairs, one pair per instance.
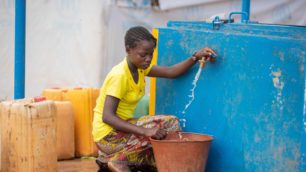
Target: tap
{"points": [[202, 62]]}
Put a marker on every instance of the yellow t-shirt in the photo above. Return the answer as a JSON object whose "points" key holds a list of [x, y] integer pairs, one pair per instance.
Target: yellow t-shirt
{"points": [[119, 83]]}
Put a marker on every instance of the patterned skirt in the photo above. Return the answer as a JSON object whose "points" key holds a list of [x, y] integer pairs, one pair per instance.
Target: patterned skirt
{"points": [[133, 149]]}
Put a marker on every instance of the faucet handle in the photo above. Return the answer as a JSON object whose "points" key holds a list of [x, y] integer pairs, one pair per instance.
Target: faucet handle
{"points": [[202, 62]]}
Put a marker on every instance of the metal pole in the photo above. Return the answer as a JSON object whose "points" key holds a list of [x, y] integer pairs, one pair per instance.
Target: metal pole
{"points": [[245, 7], [20, 27]]}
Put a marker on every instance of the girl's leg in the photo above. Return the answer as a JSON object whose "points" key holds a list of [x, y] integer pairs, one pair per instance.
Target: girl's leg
{"points": [[118, 167], [109, 148], [167, 122], [119, 149], [140, 146]]}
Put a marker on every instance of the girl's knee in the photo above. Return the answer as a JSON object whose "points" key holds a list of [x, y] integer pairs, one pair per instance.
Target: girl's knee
{"points": [[172, 123]]}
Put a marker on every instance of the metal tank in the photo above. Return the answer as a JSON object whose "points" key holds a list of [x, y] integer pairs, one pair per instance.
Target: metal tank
{"points": [[251, 100]]}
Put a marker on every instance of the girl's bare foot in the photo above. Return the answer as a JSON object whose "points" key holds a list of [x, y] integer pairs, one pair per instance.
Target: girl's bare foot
{"points": [[118, 167]]}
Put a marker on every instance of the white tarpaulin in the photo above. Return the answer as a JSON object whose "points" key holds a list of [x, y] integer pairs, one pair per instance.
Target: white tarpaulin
{"points": [[74, 43], [167, 5]]}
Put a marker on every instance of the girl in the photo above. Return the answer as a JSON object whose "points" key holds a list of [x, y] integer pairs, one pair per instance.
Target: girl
{"points": [[122, 140]]}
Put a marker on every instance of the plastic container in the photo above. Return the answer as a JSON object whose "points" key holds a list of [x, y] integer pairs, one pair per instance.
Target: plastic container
{"points": [[83, 101], [28, 136], [65, 130], [181, 152], [142, 107]]}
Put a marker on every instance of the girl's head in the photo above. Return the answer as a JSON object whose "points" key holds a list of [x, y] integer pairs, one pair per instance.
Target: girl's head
{"points": [[139, 45]]}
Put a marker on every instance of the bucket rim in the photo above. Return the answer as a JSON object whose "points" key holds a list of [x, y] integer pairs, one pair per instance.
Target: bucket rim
{"points": [[211, 138]]}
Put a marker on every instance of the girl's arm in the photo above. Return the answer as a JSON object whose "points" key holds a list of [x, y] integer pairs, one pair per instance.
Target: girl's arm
{"points": [[110, 118], [182, 67]]}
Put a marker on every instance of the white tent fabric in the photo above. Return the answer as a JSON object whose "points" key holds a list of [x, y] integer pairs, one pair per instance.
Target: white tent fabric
{"points": [[167, 5], [74, 43]]}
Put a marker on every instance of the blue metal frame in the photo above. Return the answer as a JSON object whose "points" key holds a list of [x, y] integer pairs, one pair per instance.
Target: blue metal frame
{"points": [[20, 28], [245, 8], [243, 15]]}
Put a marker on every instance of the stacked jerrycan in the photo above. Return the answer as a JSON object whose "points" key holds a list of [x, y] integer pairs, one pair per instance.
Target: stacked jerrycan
{"points": [[28, 136], [83, 101], [64, 130]]}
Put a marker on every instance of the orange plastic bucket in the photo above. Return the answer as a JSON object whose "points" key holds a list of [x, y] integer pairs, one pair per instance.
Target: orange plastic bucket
{"points": [[181, 152]]}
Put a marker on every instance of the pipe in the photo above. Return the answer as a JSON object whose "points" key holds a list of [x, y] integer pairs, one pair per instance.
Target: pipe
{"points": [[245, 7], [19, 71]]}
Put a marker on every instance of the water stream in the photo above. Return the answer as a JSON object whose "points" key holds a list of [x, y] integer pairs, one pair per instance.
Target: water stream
{"points": [[194, 83]]}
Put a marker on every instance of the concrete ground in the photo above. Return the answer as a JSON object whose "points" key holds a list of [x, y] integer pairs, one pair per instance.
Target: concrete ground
{"points": [[77, 165]]}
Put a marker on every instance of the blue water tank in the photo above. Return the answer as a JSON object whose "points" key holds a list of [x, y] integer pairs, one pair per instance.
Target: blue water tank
{"points": [[251, 100]]}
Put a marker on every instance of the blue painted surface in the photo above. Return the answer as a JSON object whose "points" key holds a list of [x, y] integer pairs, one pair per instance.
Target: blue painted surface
{"points": [[251, 99], [303, 148], [19, 72], [245, 7], [256, 29]]}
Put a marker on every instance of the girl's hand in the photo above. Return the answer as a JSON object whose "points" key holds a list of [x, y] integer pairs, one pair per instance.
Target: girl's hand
{"points": [[155, 133], [207, 53]]}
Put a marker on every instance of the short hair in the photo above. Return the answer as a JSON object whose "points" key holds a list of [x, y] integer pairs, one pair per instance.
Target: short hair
{"points": [[136, 34]]}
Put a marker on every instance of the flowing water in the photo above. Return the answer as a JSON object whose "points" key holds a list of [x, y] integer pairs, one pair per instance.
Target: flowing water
{"points": [[180, 135], [194, 83]]}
